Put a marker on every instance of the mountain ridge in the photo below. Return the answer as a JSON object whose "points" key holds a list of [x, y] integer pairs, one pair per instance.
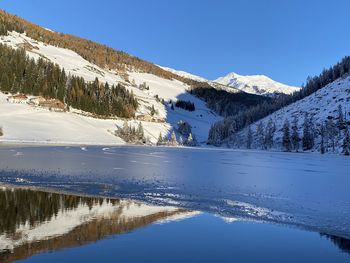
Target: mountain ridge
{"points": [[233, 82], [256, 84]]}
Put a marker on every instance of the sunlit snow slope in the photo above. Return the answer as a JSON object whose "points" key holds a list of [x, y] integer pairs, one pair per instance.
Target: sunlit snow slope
{"points": [[24, 123]]}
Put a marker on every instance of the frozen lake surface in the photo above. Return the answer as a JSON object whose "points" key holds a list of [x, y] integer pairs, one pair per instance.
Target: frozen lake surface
{"points": [[309, 191], [40, 226]]}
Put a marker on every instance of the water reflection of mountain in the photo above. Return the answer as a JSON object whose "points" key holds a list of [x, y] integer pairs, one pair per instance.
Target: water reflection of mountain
{"points": [[34, 221], [342, 243]]}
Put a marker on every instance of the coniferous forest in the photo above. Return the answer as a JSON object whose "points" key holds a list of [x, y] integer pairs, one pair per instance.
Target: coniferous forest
{"points": [[228, 104], [19, 73]]}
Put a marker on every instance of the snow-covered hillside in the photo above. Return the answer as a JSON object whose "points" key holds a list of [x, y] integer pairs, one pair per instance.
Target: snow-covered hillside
{"points": [[24, 123], [214, 84], [185, 74], [320, 106], [256, 84]]}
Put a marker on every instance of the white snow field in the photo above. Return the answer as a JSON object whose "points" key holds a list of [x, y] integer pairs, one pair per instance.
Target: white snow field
{"points": [[320, 105], [24, 124], [256, 84]]}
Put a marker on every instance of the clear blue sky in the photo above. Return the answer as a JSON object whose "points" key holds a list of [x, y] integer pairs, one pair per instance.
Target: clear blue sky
{"points": [[286, 40]]}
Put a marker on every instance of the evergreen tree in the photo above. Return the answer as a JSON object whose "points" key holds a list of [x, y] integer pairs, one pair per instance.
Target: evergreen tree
{"points": [[308, 138], [131, 135], [140, 132], [173, 140], [323, 135], [260, 135], [126, 127], [181, 142], [340, 121], [160, 139], [286, 141], [346, 142], [195, 142], [153, 110], [295, 139], [269, 134], [184, 128], [249, 138], [191, 140], [332, 133]]}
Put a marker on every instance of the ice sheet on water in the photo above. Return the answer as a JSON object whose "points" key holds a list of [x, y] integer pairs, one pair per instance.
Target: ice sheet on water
{"points": [[308, 190]]}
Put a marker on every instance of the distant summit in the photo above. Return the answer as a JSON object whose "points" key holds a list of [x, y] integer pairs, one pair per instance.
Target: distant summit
{"points": [[256, 84]]}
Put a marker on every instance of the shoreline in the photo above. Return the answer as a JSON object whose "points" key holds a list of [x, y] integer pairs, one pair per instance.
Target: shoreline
{"points": [[25, 144], [40, 144]]}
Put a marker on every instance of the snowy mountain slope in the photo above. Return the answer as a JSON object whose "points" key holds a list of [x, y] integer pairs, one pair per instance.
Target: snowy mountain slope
{"points": [[200, 120], [321, 105], [214, 84], [256, 84], [185, 74], [69, 60]]}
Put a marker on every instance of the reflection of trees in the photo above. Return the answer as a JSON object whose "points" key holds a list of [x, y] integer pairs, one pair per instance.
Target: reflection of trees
{"points": [[342, 243], [21, 206]]}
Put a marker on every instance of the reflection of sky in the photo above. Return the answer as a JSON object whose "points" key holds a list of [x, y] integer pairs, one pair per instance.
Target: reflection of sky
{"points": [[205, 238]]}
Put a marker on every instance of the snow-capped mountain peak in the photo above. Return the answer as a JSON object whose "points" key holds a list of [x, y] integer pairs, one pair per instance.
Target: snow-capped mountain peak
{"points": [[256, 84]]}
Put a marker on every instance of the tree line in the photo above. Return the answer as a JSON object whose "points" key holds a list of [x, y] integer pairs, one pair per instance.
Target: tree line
{"points": [[226, 103], [172, 140], [327, 136], [186, 105], [130, 134], [19, 73]]}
